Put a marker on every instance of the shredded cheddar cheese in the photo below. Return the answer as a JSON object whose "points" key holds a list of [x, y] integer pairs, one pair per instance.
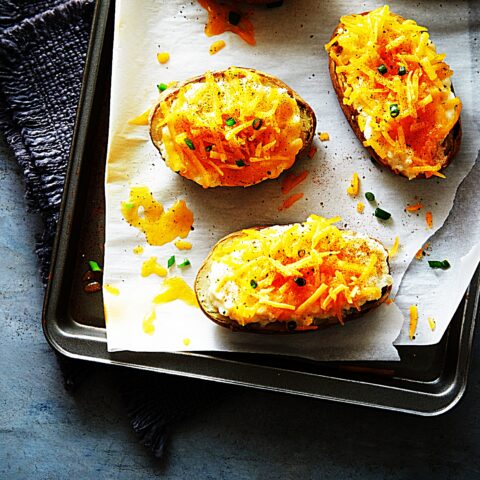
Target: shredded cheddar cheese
{"points": [[354, 187], [215, 47], [392, 76], [163, 57], [413, 321], [432, 324], [183, 245], [429, 219], [296, 272], [142, 119], [232, 130], [323, 136], [152, 267], [111, 289], [413, 208], [138, 250], [360, 207], [394, 250], [291, 180], [288, 202]]}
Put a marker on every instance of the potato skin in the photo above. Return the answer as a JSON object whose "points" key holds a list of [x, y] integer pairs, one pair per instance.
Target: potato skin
{"points": [[452, 141], [201, 286], [309, 120]]}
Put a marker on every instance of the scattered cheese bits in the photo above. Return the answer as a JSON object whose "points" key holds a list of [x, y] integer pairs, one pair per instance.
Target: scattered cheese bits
{"points": [[141, 119], [413, 208], [297, 272], [186, 342], [142, 211], [183, 245], [290, 181], [394, 250], [389, 301], [138, 250], [429, 219], [413, 321], [432, 324], [354, 187], [360, 207], [290, 201], [111, 289], [215, 47], [163, 57], [394, 77], [323, 136], [235, 129], [419, 254], [147, 325], [151, 267], [175, 288]]}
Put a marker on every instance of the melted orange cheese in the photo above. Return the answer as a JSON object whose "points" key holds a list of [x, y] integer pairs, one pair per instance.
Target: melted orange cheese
{"points": [[218, 20], [297, 272], [152, 267], [427, 109], [233, 130], [142, 211], [175, 288]]}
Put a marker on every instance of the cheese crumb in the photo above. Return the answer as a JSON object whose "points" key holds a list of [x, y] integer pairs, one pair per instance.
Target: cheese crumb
{"points": [[163, 57], [215, 47], [354, 187], [323, 136], [413, 321], [360, 207]]}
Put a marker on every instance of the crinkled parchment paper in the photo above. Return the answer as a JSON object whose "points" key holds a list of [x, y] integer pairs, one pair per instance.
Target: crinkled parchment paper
{"points": [[290, 45]]}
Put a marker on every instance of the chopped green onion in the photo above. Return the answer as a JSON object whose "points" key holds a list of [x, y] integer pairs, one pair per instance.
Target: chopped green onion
{"points": [[208, 148], [240, 163], [128, 205], [184, 264], [300, 281], [382, 214], [234, 18], [394, 110], [230, 122], [162, 87], [382, 69], [402, 70], [253, 283], [94, 266], [189, 144], [444, 265], [171, 261], [370, 196], [257, 124]]}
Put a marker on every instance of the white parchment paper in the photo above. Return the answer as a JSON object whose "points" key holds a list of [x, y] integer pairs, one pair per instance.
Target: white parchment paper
{"points": [[290, 45]]}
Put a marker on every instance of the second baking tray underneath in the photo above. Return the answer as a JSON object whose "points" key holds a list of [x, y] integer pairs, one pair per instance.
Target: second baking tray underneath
{"points": [[427, 380]]}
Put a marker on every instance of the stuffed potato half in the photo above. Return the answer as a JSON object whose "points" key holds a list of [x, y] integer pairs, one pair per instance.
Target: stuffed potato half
{"points": [[235, 127], [396, 92], [292, 278]]}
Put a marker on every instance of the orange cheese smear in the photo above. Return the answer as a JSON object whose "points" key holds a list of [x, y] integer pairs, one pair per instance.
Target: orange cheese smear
{"points": [[233, 130], [152, 267], [297, 272], [427, 109], [175, 288], [218, 20], [142, 211]]}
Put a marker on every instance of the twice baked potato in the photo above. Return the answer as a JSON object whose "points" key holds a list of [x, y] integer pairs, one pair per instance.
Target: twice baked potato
{"points": [[292, 278], [235, 127], [395, 92]]}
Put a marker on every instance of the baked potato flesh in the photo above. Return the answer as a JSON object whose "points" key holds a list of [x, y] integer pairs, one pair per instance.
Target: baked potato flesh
{"points": [[396, 92], [235, 127], [293, 277]]}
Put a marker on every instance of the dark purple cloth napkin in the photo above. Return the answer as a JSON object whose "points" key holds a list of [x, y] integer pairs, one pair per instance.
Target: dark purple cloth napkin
{"points": [[43, 46]]}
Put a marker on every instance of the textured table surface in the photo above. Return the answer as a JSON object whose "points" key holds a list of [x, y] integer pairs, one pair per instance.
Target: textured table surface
{"points": [[46, 433]]}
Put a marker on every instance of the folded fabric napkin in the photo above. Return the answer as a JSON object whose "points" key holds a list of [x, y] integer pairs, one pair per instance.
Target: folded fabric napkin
{"points": [[43, 46]]}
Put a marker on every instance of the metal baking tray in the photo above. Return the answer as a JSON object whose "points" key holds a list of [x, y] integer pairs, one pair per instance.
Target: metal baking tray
{"points": [[427, 380]]}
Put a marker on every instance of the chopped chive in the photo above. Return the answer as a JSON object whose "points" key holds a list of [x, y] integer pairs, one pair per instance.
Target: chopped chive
{"points": [[184, 264], [189, 144], [234, 18], [444, 264], [394, 110], [402, 70], [382, 69], [171, 261], [128, 205], [300, 281], [94, 266], [208, 148], [253, 283], [240, 163], [162, 87], [370, 196], [257, 124], [382, 214], [230, 122]]}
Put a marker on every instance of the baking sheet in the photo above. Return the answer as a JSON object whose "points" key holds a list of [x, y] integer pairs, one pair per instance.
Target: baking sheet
{"points": [[289, 45]]}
